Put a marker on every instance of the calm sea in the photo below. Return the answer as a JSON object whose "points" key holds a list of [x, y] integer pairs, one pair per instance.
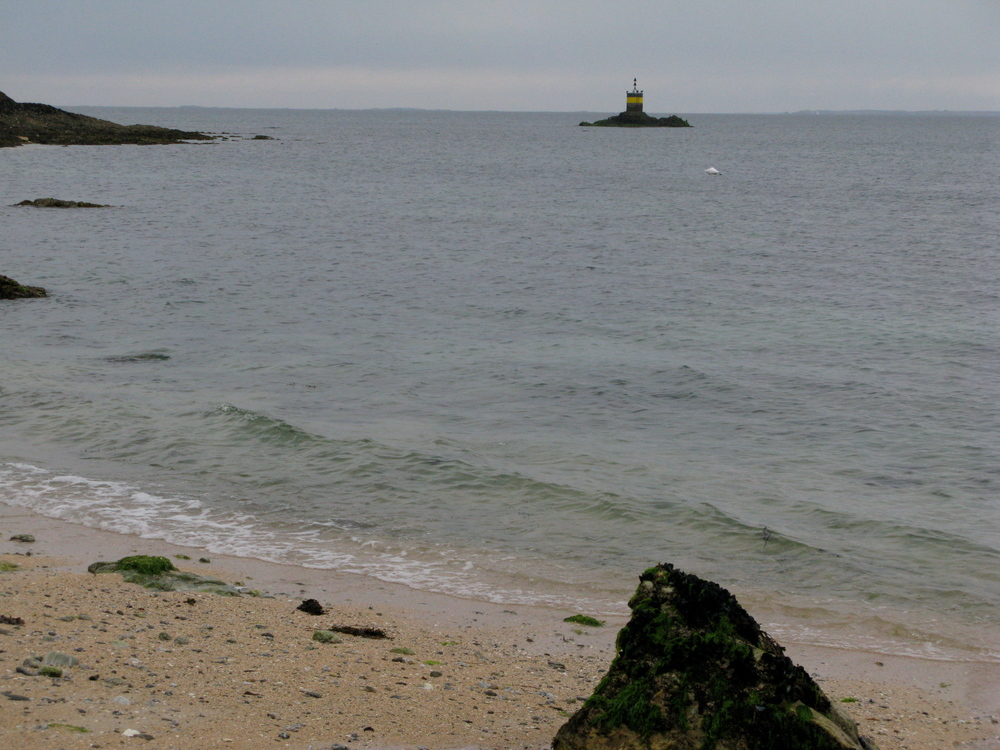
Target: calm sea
{"points": [[506, 357]]}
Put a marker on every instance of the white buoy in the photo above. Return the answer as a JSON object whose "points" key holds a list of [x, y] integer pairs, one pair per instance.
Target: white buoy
{"points": [[713, 170]]}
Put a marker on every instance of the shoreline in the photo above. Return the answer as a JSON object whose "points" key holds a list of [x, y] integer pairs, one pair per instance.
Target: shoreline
{"points": [[496, 685]]}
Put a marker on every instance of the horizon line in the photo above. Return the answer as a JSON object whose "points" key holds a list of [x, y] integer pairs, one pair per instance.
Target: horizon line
{"points": [[804, 111]]}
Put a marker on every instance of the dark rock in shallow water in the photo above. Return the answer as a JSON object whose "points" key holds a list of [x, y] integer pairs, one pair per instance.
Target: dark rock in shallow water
{"points": [[22, 123], [154, 356], [56, 203], [694, 671], [639, 120], [10, 289]]}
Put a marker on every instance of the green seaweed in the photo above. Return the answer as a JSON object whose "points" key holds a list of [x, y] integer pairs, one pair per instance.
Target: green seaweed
{"points": [[147, 565], [159, 574], [585, 620], [326, 636], [68, 727], [631, 707]]}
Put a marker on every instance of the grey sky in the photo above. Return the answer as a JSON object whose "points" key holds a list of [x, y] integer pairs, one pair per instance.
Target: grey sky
{"points": [[560, 55]]}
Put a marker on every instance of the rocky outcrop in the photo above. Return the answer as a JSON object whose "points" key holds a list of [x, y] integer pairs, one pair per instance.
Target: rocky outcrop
{"points": [[639, 120], [694, 671], [10, 289], [22, 123], [57, 203]]}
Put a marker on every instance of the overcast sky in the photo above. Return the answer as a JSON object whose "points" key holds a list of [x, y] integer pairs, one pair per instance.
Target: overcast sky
{"points": [[549, 55]]}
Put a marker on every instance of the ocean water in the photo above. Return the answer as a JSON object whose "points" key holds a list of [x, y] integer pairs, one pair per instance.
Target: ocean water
{"points": [[501, 356]]}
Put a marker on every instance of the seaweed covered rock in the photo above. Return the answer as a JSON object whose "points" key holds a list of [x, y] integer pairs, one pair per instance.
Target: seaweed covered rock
{"points": [[10, 289], [22, 122], [159, 573], [694, 671], [638, 120]]}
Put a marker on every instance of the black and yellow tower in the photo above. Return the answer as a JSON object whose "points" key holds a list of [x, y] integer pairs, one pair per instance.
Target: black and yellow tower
{"points": [[633, 98], [634, 117]]}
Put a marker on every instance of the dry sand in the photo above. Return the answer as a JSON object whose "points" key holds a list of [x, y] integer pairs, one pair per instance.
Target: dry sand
{"points": [[192, 671]]}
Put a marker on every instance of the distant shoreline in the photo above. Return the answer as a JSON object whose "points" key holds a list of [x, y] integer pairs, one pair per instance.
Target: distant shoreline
{"points": [[591, 112]]}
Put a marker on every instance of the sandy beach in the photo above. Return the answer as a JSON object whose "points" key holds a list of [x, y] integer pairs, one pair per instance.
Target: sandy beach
{"points": [[194, 670]]}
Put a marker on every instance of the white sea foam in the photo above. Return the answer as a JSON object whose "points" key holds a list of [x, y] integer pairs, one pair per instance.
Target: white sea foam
{"points": [[123, 508]]}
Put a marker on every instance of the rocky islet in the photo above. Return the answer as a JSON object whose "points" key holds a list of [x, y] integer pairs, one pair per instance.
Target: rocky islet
{"points": [[638, 120]]}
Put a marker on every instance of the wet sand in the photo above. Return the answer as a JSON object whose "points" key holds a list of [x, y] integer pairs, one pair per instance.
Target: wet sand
{"points": [[193, 670]]}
